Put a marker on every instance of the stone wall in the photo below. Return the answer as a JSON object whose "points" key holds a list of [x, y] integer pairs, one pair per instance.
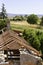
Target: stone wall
{"points": [[26, 59]]}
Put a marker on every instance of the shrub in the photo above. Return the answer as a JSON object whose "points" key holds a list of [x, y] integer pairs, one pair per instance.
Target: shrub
{"points": [[35, 38]]}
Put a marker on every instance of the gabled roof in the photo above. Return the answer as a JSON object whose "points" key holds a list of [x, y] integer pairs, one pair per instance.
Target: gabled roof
{"points": [[10, 40]]}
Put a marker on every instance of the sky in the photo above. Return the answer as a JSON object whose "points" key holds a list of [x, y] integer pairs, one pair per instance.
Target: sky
{"points": [[23, 6]]}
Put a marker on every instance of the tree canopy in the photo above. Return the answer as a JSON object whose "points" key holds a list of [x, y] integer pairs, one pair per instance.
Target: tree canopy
{"points": [[3, 17], [32, 19], [3, 12]]}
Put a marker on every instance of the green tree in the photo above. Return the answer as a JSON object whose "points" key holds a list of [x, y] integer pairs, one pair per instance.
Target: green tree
{"points": [[3, 12], [41, 47], [41, 41], [41, 21], [32, 38], [3, 23], [32, 19]]}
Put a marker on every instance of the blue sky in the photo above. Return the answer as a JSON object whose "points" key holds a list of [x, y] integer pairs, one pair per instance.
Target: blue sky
{"points": [[23, 6]]}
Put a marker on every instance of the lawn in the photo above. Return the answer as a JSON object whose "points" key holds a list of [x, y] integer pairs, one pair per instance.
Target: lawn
{"points": [[22, 25]]}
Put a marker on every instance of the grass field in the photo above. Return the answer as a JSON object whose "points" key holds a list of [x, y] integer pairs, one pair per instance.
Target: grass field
{"points": [[22, 25]]}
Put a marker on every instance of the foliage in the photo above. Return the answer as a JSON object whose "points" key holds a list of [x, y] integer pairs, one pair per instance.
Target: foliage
{"points": [[3, 12], [35, 38], [3, 17], [32, 19], [3, 23], [41, 47], [41, 23], [19, 18], [40, 36]]}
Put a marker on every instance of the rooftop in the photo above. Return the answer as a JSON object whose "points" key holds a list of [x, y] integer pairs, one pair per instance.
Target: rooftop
{"points": [[10, 40]]}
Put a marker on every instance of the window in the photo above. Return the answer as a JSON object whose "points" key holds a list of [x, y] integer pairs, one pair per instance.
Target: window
{"points": [[12, 54]]}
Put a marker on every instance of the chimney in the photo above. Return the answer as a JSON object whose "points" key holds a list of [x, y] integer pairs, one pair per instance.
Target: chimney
{"points": [[8, 24]]}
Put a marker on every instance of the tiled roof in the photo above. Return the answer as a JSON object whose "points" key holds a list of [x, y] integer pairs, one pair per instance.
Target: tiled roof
{"points": [[10, 40]]}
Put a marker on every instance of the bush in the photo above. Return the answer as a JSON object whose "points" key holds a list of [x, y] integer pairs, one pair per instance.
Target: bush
{"points": [[35, 38], [3, 23]]}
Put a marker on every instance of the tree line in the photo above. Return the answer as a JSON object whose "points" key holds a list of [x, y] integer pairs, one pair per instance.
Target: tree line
{"points": [[31, 19], [19, 18]]}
